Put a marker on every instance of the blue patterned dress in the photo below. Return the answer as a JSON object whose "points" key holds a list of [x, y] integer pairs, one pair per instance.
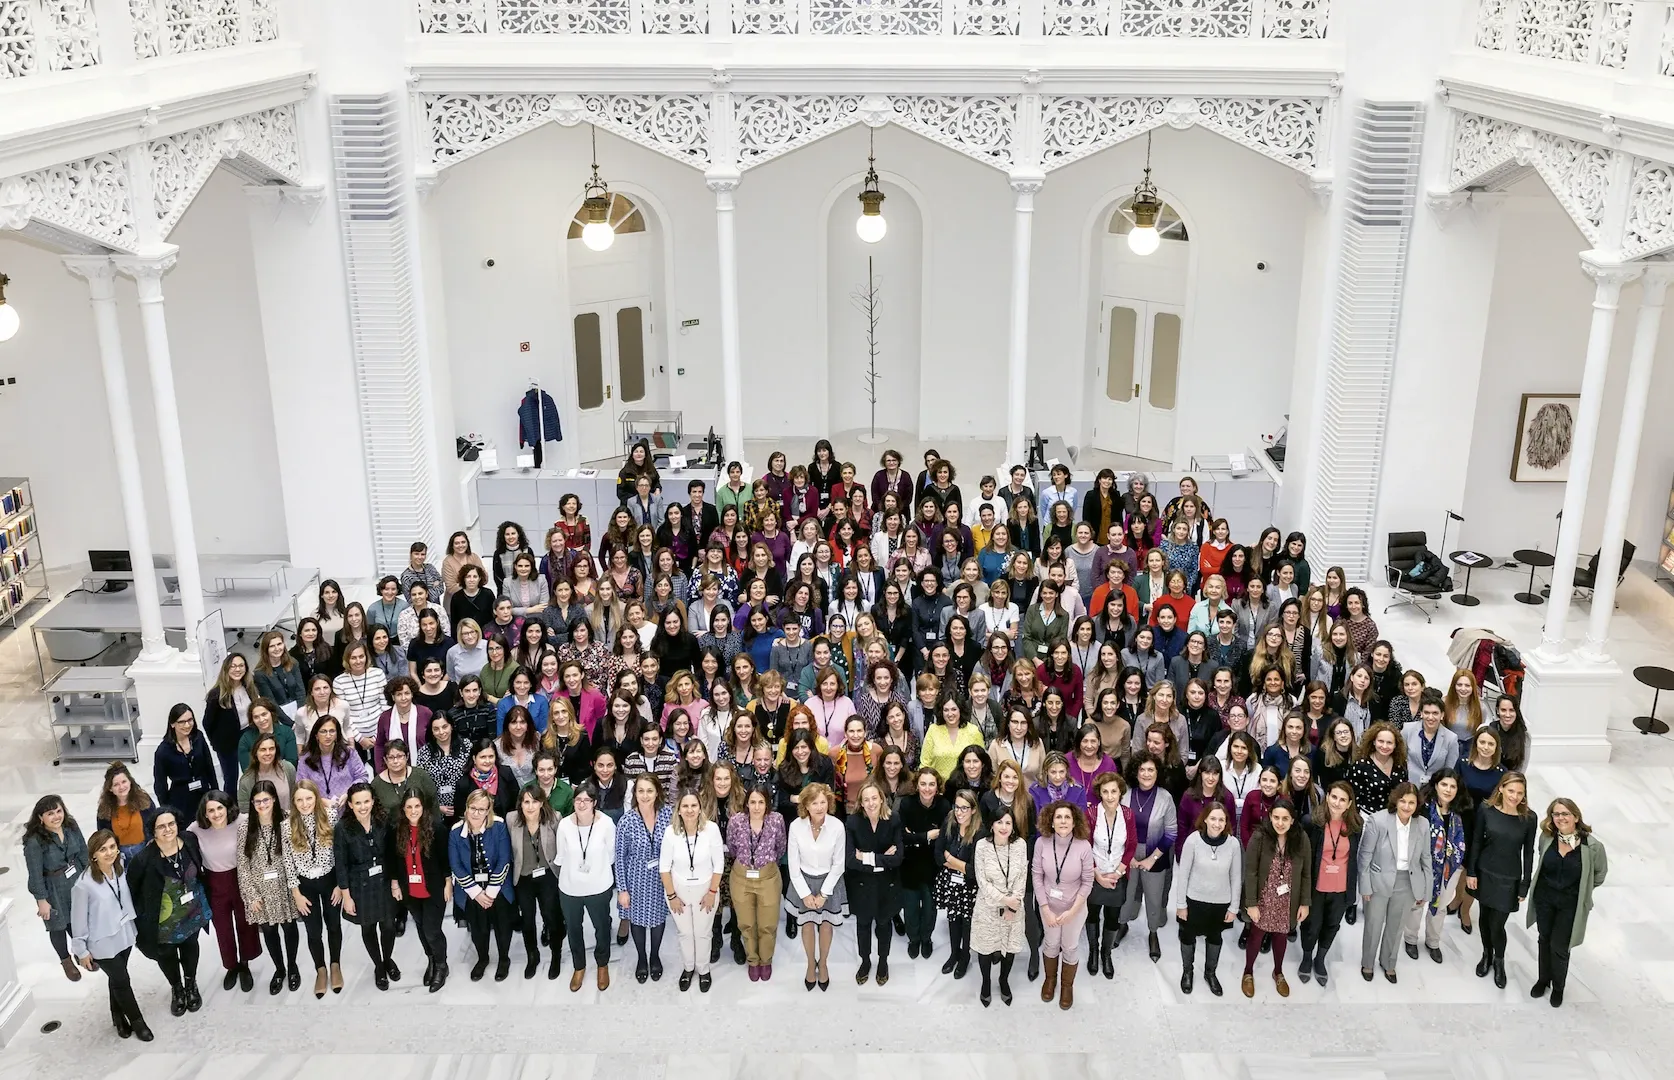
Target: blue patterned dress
{"points": [[637, 854]]}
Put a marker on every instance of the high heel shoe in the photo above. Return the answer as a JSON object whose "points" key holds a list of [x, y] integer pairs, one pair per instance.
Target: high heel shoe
{"points": [[320, 983], [810, 983], [336, 978]]}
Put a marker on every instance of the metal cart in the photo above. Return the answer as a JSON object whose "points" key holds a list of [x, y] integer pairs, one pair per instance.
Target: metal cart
{"points": [[92, 714], [661, 429]]}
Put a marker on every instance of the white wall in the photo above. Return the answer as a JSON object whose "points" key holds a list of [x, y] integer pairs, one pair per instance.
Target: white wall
{"points": [[53, 423], [1537, 339], [898, 273]]}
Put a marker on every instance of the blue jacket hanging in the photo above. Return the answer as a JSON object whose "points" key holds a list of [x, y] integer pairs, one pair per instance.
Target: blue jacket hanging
{"points": [[529, 430]]}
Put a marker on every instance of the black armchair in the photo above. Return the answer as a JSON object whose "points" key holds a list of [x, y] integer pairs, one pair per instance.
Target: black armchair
{"points": [[1587, 579], [1404, 551]]}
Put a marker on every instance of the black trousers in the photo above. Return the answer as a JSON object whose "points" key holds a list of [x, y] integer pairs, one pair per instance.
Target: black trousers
{"points": [[1325, 918], [427, 916], [499, 918], [1554, 923], [181, 961], [1493, 923], [123, 1005], [597, 910], [875, 919], [540, 895], [322, 914], [60, 943], [285, 961]]}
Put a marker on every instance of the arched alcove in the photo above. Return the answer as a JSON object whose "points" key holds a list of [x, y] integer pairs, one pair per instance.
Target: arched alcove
{"points": [[897, 266]]}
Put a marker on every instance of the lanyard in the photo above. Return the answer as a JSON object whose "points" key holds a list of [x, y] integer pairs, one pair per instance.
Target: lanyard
{"points": [[1058, 872], [1022, 756], [1110, 831], [114, 884], [1241, 784], [1334, 834], [585, 840], [691, 851]]}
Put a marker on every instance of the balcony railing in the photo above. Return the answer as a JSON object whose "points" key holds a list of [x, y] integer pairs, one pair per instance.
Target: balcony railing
{"points": [[174, 27], [1224, 19], [38, 36], [1597, 33]]}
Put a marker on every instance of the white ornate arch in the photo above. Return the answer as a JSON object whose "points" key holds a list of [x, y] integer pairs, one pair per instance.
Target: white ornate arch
{"points": [[1617, 200], [124, 199], [1290, 130]]}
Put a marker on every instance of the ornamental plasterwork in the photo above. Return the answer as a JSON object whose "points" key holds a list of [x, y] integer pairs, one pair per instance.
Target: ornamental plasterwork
{"points": [[1297, 19], [987, 18], [87, 200], [764, 16], [268, 146], [261, 147], [46, 35], [875, 17], [1650, 223], [1665, 45], [977, 126], [1288, 130], [1186, 18], [768, 125], [462, 125], [1593, 32]]}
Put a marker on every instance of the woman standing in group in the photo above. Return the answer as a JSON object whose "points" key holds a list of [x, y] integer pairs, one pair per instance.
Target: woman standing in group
{"points": [[55, 853], [181, 768], [1440, 800], [102, 917], [217, 838], [360, 845], [814, 855], [1115, 843], [331, 764], [690, 864], [1206, 889], [1334, 840], [1571, 864], [171, 907], [1155, 827], [1394, 877], [278, 675], [226, 712], [875, 850], [1499, 866], [1277, 890], [423, 885], [267, 880], [1380, 764], [756, 841], [1063, 880], [640, 895], [955, 884], [480, 856], [534, 834], [922, 817], [318, 898], [586, 874], [997, 920]]}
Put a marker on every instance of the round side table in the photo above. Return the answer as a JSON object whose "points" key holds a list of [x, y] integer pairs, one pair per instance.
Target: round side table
{"points": [[1658, 679], [1476, 558], [1535, 560]]}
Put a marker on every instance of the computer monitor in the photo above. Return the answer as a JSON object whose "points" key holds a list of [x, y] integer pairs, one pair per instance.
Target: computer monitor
{"points": [[110, 562]]}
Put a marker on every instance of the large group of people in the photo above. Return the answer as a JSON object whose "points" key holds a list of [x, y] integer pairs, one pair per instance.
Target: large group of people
{"points": [[1035, 713]]}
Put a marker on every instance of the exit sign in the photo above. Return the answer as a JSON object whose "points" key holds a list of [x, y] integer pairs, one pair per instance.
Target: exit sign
{"points": [[687, 322]]}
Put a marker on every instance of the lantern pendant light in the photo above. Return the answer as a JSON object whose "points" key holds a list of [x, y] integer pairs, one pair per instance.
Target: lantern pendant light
{"points": [[1143, 238], [596, 230], [9, 320], [871, 225]]}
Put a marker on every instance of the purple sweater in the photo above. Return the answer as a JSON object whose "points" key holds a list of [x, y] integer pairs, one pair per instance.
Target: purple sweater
{"points": [[769, 843]]}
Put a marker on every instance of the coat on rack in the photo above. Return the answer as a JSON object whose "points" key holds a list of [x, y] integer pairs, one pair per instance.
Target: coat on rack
{"points": [[530, 427]]}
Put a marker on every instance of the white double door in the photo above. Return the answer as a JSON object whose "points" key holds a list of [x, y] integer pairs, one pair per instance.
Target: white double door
{"points": [[613, 370], [1137, 383]]}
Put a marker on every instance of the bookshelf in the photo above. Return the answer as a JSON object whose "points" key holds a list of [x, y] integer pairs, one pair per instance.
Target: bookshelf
{"points": [[23, 578], [1665, 555]]}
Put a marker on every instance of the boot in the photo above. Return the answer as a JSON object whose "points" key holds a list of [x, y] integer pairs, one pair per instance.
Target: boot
{"points": [[1005, 977], [1188, 958], [120, 1020], [964, 963], [177, 1001], [1499, 971], [1049, 985], [1211, 961], [1106, 944], [439, 977], [738, 956], [1067, 997], [429, 972], [1486, 964], [194, 1000], [71, 971], [1093, 941], [985, 963], [1034, 963]]}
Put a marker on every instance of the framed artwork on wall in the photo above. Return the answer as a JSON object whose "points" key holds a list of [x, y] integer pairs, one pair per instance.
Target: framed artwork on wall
{"points": [[1545, 437]]}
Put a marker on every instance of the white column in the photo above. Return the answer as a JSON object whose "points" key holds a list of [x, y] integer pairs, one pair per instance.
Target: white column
{"points": [[1024, 186], [100, 275], [1653, 289], [147, 272], [724, 184], [1607, 294], [17, 1002]]}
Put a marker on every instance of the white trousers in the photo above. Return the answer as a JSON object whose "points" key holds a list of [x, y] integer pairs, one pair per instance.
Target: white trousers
{"points": [[694, 925]]}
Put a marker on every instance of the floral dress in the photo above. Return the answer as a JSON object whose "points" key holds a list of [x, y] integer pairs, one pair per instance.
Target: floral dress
{"points": [[1447, 849], [1275, 909]]}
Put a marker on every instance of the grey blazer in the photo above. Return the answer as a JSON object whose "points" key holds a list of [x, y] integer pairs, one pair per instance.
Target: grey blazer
{"points": [[548, 836], [1444, 756], [1377, 855]]}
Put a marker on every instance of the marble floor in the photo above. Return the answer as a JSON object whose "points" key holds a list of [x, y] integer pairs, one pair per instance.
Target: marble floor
{"points": [[1440, 1021]]}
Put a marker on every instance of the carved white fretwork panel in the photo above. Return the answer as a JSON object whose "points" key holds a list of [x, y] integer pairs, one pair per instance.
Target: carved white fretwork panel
{"points": [[1299, 19], [675, 16], [1186, 18], [460, 126], [987, 18], [173, 27], [86, 203], [768, 125], [1296, 19], [765, 16], [1650, 223], [1490, 154], [875, 17], [980, 127], [1594, 32], [451, 17], [1665, 45], [1288, 130], [180, 166], [268, 146], [261, 147], [46, 35]]}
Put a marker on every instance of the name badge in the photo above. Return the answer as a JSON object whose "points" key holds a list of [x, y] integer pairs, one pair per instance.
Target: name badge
{"points": [[877, 869], [753, 875], [415, 879], [692, 875], [1333, 869], [374, 870], [651, 864], [1040, 649], [70, 873], [931, 635], [481, 879], [1056, 894], [539, 871], [271, 875], [1284, 889]]}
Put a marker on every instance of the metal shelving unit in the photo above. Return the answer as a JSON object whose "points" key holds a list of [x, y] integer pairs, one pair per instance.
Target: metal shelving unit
{"points": [[1665, 553], [23, 577]]}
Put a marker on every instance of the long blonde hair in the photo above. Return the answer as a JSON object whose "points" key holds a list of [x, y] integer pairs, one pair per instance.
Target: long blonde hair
{"points": [[322, 819]]}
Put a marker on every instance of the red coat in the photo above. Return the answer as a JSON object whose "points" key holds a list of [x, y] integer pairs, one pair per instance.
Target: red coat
{"points": [[1069, 685]]}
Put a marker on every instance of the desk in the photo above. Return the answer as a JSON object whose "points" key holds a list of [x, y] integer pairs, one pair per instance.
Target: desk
{"points": [[1535, 560], [241, 610]]}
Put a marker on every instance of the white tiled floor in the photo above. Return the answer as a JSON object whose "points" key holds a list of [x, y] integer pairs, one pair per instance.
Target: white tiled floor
{"points": [[1440, 1021]]}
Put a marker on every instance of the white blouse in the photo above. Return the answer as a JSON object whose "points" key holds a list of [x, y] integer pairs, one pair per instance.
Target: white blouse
{"points": [[811, 855], [1110, 839], [692, 860], [586, 856]]}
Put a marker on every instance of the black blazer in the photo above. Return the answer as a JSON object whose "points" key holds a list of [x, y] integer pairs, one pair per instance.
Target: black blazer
{"points": [[433, 863], [174, 773], [1316, 840], [145, 883], [220, 723], [870, 886], [505, 796], [357, 851], [917, 820]]}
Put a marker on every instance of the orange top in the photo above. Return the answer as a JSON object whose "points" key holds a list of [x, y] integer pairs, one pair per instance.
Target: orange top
{"points": [[128, 825]]}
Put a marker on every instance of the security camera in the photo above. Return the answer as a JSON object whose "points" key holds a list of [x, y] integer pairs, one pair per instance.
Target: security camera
{"points": [[489, 263], [1261, 266]]}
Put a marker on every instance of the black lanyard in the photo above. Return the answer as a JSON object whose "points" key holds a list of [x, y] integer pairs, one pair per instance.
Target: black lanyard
{"points": [[691, 851], [585, 840], [1110, 831], [1058, 873]]}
